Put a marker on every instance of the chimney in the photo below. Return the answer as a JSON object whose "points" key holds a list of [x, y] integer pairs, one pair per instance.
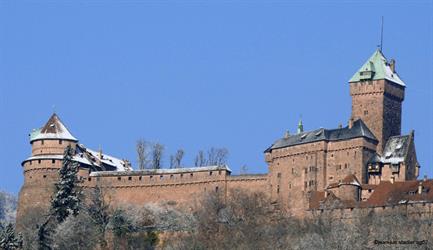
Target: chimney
{"points": [[100, 152], [350, 123], [420, 188], [392, 65]]}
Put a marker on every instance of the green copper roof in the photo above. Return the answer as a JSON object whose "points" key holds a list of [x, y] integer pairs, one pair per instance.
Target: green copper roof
{"points": [[34, 133], [376, 68]]}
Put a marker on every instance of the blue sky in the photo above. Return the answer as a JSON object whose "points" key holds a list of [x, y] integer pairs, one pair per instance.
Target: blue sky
{"points": [[197, 74]]}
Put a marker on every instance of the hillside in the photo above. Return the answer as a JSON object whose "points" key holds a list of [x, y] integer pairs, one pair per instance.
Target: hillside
{"points": [[8, 206]]}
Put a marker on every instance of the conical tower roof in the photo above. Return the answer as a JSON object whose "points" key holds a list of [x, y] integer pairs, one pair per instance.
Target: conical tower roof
{"points": [[377, 68], [53, 129]]}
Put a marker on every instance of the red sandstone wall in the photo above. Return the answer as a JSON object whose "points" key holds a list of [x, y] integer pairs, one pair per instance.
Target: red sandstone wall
{"points": [[296, 170], [378, 103], [184, 190]]}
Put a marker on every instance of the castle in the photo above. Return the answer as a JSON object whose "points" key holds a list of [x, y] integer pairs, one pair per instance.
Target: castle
{"points": [[368, 163]]}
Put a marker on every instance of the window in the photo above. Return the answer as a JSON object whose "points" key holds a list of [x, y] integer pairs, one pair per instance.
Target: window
{"points": [[161, 176], [279, 175], [42, 142], [60, 141], [345, 165], [293, 170], [278, 189], [30, 162], [53, 161], [119, 178], [129, 178], [369, 190], [210, 173], [89, 179], [150, 177], [365, 112], [171, 176], [290, 185], [191, 174], [306, 170], [181, 175], [45, 176], [216, 189], [219, 172], [139, 178], [39, 161]]}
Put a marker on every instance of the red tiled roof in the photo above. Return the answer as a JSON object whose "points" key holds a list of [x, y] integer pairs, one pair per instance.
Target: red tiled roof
{"points": [[348, 180], [315, 198], [385, 194]]}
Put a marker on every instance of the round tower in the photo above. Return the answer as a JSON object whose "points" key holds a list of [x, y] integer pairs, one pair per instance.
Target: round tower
{"points": [[41, 171]]}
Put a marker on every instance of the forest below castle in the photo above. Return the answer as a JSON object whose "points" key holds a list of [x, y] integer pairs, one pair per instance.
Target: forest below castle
{"points": [[85, 219], [240, 221]]}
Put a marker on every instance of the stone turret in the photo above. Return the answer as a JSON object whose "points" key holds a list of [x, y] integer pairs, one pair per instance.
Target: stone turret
{"points": [[41, 169]]}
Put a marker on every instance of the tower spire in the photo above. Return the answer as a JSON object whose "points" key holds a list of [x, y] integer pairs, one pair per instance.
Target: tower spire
{"points": [[381, 36], [300, 126]]}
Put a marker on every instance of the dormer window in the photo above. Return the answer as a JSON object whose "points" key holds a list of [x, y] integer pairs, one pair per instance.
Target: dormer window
{"points": [[395, 168]]}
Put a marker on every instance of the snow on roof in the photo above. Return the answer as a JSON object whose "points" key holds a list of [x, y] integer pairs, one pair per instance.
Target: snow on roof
{"points": [[109, 160], [53, 129], [162, 171], [88, 157], [76, 158]]}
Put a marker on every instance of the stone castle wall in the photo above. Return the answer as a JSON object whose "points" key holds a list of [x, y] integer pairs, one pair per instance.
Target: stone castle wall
{"points": [[183, 189], [296, 170], [420, 210], [379, 104]]}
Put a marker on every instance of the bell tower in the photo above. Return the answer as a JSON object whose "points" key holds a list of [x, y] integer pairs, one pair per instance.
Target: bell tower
{"points": [[377, 95]]}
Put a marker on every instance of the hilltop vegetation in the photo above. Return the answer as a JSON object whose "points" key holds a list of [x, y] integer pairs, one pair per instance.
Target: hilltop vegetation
{"points": [[8, 206]]}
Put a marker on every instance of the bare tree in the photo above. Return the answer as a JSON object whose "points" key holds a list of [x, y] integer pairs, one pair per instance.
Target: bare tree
{"points": [[200, 159], [172, 163], [142, 148], [157, 153], [244, 169], [178, 158], [217, 156]]}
